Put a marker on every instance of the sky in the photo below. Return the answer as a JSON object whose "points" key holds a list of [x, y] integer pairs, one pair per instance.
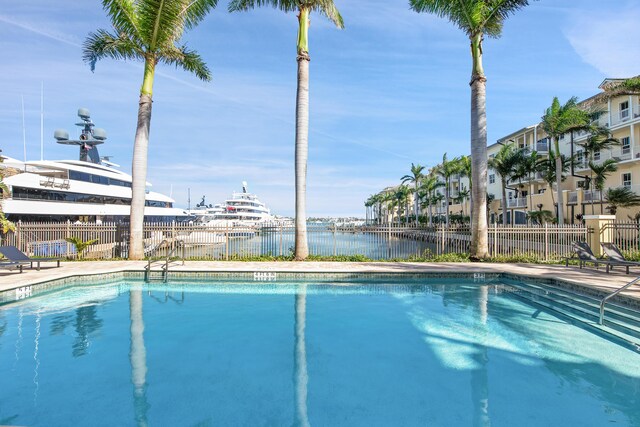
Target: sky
{"points": [[389, 90]]}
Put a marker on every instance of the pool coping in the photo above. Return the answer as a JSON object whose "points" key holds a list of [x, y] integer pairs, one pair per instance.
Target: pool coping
{"points": [[586, 281]]}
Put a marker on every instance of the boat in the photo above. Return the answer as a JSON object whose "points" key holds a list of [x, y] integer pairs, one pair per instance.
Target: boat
{"points": [[90, 189], [242, 209]]}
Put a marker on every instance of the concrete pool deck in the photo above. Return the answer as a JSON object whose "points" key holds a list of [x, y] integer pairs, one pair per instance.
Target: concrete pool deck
{"points": [[588, 277]]}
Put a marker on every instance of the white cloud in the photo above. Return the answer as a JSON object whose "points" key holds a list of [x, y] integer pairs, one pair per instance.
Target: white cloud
{"points": [[607, 40]]}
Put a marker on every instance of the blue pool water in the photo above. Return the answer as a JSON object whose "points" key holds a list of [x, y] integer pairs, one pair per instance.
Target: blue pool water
{"points": [[430, 352]]}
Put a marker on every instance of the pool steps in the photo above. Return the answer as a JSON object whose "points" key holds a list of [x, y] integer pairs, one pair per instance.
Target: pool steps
{"points": [[620, 321]]}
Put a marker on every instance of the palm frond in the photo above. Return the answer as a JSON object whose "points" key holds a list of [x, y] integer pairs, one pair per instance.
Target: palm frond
{"points": [[329, 9], [161, 22], [188, 60], [472, 16], [123, 17], [244, 5], [456, 11], [194, 11], [102, 44]]}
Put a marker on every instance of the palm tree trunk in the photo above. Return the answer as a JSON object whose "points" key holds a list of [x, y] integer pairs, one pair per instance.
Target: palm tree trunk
{"points": [[479, 248], [302, 137], [446, 196], [504, 202], [430, 212], [416, 200], [139, 164], [559, 183]]}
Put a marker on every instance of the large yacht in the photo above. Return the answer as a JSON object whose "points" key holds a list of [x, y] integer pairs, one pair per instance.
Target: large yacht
{"points": [[240, 209], [90, 189]]}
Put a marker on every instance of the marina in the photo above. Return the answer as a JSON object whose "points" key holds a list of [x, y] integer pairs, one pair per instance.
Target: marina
{"points": [[90, 189]]}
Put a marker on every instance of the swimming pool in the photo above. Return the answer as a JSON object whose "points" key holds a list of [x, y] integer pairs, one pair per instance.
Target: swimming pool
{"points": [[360, 351]]}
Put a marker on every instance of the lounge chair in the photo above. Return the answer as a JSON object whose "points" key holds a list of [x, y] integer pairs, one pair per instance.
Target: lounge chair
{"points": [[15, 255], [10, 265], [586, 255], [613, 253]]}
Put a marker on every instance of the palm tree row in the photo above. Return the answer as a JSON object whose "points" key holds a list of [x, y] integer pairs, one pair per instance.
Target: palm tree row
{"points": [[151, 31]]}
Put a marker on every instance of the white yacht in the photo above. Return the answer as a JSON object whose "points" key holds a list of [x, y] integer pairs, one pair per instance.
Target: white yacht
{"points": [[240, 209], [88, 190]]}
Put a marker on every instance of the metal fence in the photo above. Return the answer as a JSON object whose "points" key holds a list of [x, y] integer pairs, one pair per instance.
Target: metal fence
{"points": [[625, 234], [244, 242]]}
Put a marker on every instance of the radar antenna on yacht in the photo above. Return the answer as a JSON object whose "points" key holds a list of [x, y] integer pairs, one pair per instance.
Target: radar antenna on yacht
{"points": [[244, 187], [89, 137]]}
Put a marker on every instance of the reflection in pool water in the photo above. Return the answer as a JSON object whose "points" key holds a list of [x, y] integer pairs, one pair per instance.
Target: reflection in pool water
{"points": [[407, 353]]}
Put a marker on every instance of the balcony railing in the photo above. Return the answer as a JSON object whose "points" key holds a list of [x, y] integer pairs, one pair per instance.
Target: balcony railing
{"points": [[591, 196], [520, 202], [573, 197]]}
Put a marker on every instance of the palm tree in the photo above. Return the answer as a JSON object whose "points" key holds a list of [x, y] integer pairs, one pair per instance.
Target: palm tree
{"points": [[504, 163], [622, 197], [387, 199], [601, 172], [147, 30], [599, 140], [436, 200], [476, 18], [547, 167], [557, 120], [446, 170], [414, 178], [429, 185], [526, 168], [303, 8], [463, 194], [465, 169]]}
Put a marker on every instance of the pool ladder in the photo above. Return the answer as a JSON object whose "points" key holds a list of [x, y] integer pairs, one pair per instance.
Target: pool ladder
{"points": [[613, 294], [178, 245]]}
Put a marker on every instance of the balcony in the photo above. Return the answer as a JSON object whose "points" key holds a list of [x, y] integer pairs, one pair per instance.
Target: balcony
{"points": [[542, 146], [520, 202], [572, 198], [589, 196]]}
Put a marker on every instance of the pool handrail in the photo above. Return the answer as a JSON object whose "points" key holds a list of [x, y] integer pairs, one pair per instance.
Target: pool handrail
{"points": [[613, 294], [178, 244]]}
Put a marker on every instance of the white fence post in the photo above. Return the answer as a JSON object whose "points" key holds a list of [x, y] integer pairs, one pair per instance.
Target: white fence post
{"points": [[546, 242]]}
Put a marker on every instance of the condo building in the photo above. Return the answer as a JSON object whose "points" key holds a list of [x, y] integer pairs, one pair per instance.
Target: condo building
{"points": [[620, 114]]}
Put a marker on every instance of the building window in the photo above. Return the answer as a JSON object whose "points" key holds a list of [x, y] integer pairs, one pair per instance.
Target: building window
{"points": [[624, 110], [626, 179], [492, 179], [626, 145], [562, 137], [596, 155], [580, 159]]}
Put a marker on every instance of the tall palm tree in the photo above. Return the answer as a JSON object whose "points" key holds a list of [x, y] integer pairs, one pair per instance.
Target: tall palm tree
{"points": [[414, 178], [304, 9], [600, 173], [446, 170], [599, 140], [150, 31], [476, 18], [547, 167], [436, 200], [429, 185], [465, 170], [558, 120], [526, 168], [505, 163]]}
